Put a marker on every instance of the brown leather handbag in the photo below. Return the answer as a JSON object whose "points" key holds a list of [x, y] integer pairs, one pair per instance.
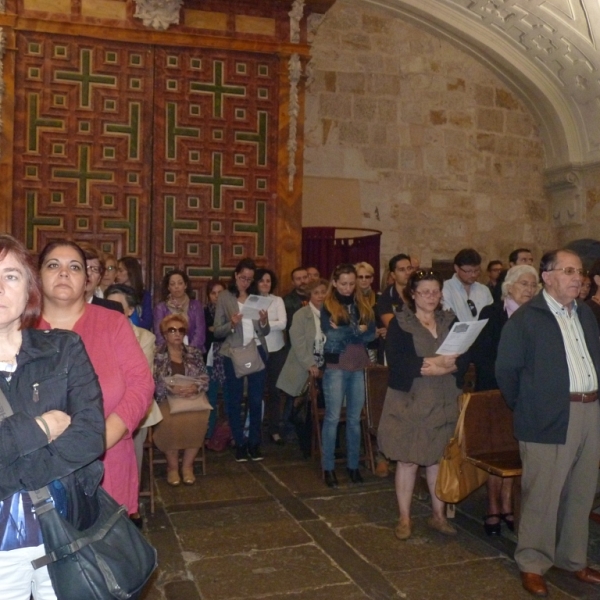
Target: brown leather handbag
{"points": [[458, 478]]}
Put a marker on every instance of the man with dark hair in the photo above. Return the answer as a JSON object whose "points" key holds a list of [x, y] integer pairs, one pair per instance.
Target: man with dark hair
{"points": [[463, 293], [548, 367], [313, 273], [391, 300], [296, 299], [520, 256], [494, 269]]}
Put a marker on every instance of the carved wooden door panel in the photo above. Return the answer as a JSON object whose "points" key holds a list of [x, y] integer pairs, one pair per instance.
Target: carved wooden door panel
{"points": [[83, 143], [166, 154], [215, 160]]}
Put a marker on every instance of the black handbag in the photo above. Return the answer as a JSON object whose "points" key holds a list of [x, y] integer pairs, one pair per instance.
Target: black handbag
{"points": [[107, 560]]}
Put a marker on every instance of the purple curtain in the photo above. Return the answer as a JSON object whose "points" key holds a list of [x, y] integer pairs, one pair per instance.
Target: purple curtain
{"points": [[321, 249]]}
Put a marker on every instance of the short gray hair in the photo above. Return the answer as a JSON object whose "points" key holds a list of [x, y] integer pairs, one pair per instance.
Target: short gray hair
{"points": [[513, 274]]}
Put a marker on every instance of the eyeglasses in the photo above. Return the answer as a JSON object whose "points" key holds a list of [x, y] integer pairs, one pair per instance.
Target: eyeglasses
{"points": [[569, 270], [472, 306], [93, 269], [111, 268], [474, 271], [428, 293], [245, 279], [180, 330], [365, 276]]}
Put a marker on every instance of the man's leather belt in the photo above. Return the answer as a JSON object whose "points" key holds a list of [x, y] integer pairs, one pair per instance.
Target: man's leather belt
{"points": [[581, 397]]}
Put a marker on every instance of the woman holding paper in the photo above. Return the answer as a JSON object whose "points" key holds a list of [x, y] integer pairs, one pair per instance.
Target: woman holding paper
{"points": [[240, 332], [420, 410], [183, 431], [520, 285]]}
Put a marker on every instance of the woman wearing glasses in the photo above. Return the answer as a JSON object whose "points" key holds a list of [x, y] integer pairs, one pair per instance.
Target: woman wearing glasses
{"points": [[364, 279], [420, 410], [519, 286], [236, 331], [186, 430]]}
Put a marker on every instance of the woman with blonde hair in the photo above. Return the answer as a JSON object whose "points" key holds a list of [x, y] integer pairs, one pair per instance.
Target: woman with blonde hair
{"points": [[365, 275], [183, 431], [348, 322]]}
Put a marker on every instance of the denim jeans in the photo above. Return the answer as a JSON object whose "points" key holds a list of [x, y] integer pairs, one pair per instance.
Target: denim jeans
{"points": [[338, 384], [234, 389]]}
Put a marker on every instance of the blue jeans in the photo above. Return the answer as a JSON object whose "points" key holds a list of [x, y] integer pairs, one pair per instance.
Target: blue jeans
{"points": [[234, 389], [338, 384]]}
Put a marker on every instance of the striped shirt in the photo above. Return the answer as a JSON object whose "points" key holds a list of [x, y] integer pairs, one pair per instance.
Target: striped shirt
{"points": [[582, 374]]}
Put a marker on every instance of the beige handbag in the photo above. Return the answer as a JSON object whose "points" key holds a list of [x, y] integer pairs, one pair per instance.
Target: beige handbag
{"points": [[457, 478]]}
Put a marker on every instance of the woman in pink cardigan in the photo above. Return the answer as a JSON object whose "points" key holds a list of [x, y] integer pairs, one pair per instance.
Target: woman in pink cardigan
{"points": [[125, 378]]}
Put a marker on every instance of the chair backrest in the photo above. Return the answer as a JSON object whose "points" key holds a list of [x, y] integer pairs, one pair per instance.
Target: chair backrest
{"points": [[488, 426], [376, 383]]}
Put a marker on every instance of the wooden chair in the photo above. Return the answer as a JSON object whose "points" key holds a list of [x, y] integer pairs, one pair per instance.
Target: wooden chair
{"points": [[148, 460], [376, 383], [489, 441], [318, 414]]}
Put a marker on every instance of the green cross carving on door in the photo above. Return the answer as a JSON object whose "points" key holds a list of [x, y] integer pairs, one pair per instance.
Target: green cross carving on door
{"points": [[217, 88], [83, 176], [216, 180], [85, 78]]}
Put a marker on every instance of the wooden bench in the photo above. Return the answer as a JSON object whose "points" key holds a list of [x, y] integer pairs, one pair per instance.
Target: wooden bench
{"points": [[489, 441]]}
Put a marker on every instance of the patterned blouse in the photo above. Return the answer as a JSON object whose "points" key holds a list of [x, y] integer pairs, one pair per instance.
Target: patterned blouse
{"points": [[192, 362]]}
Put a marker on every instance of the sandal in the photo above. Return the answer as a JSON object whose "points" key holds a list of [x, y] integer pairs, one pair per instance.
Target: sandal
{"points": [[492, 528], [510, 523]]}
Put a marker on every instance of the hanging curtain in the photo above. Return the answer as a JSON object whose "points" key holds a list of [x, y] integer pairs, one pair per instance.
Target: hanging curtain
{"points": [[321, 249]]}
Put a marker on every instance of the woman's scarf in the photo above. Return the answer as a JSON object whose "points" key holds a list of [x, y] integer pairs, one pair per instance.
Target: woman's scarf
{"points": [[178, 306]]}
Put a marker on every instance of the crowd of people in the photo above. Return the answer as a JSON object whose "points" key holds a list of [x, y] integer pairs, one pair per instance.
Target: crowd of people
{"points": [[89, 364]]}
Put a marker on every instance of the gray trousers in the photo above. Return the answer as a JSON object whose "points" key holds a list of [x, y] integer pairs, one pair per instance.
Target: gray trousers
{"points": [[558, 486]]}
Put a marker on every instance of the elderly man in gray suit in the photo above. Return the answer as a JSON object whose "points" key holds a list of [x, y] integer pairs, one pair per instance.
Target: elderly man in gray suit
{"points": [[548, 367]]}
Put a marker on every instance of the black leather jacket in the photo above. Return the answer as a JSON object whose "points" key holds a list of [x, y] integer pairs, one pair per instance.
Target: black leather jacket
{"points": [[53, 372]]}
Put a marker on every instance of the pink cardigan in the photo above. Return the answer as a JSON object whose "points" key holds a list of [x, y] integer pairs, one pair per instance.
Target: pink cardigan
{"points": [[127, 388]]}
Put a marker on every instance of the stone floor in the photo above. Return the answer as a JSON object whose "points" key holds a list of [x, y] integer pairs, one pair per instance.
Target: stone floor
{"points": [[272, 530]]}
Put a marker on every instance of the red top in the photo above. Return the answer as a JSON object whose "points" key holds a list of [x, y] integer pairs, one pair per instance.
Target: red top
{"points": [[127, 388]]}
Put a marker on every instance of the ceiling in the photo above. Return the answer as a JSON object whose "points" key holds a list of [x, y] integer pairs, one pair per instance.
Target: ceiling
{"points": [[545, 50]]}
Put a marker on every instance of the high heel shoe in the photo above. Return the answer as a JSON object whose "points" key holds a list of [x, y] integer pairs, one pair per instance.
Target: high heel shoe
{"points": [[492, 528], [331, 479], [173, 478], [510, 523]]}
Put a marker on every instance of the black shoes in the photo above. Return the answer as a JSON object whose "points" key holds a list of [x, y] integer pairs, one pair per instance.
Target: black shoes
{"points": [[355, 476], [241, 454], [492, 528], [255, 454], [331, 479], [510, 523]]}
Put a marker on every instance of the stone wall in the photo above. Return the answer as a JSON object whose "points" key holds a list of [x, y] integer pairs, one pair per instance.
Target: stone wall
{"points": [[440, 152]]}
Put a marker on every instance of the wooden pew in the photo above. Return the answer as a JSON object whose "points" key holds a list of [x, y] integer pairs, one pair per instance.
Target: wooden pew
{"points": [[489, 441]]}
